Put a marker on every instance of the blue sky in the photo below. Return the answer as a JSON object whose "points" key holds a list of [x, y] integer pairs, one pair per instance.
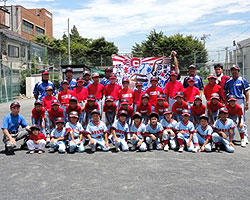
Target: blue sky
{"points": [[127, 22]]}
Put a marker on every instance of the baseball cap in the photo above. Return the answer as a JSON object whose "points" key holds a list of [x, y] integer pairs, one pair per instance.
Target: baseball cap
{"points": [[137, 115], [153, 79], [73, 114], [232, 98], [73, 99], [95, 75], [15, 104], [49, 88], [191, 79], [185, 112], [191, 66], [91, 98], [45, 71], [95, 111], [215, 96], [173, 73], [123, 112], [35, 126], [179, 94], [59, 120], [167, 111], [138, 84], [125, 80], [80, 79], [65, 82], [69, 69], [108, 69], [124, 102], [112, 76], [145, 95], [109, 98], [86, 73], [204, 116], [161, 97], [197, 97], [38, 102], [55, 102], [212, 76], [154, 114], [224, 110], [235, 67]]}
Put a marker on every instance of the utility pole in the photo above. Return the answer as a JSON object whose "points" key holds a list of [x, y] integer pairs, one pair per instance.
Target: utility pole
{"points": [[204, 38], [226, 60], [218, 56], [69, 44]]}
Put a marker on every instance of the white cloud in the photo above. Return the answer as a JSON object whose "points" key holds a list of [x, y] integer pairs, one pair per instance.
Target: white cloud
{"points": [[229, 22]]}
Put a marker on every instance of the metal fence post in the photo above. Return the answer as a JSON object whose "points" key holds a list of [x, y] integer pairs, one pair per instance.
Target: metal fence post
{"points": [[1, 85], [11, 82]]}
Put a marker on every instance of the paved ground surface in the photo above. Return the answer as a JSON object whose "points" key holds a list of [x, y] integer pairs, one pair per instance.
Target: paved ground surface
{"points": [[130, 175]]}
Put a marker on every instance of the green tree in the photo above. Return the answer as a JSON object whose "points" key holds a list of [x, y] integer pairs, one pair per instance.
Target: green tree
{"points": [[189, 49]]}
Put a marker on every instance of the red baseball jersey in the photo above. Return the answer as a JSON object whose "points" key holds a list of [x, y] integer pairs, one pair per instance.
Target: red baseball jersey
{"points": [[130, 111], [177, 108], [153, 94], [172, 88], [190, 92], [237, 110], [89, 108], [210, 89], [214, 107], [38, 115], [81, 93], [64, 96], [224, 79], [111, 108], [40, 136], [144, 109], [97, 90], [70, 109], [137, 96], [55, 114], [160, 109], [112, 90], [126, 94], [47, 102], [195, 110]]}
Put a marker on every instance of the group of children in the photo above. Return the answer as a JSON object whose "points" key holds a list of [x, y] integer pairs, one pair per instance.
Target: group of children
{"points": [[146, 120]]}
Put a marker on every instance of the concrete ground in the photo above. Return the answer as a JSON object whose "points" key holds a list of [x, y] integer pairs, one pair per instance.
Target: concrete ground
{"points": [[130, 175]]}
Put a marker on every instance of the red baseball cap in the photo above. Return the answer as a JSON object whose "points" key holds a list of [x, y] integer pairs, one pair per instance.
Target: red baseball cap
{"points": [[212, 76], [167, 111], [124, 102], [231, 98], [15, 104], [109, 98], [59, 120], [161, 97], [112, 76], [179, 94], [215, 96], [91, 98], [45, 71], [191, 79], [55, 102], [80, 79], [185, 112], [173, 73]]}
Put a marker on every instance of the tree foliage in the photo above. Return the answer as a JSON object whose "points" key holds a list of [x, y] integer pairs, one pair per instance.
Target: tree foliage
{"points": [[189, 49]]}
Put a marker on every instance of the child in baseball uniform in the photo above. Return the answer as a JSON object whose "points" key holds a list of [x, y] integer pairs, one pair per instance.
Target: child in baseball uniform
{"points": [[125, 106], [204, 134], [178, 106], [236, 114], [161, 106], [89, 107], [97, 132], [48, 98], [213, 107], [54, 113], [190, 92], [197, 109], [36, 140], [223, 134], [169, 135], [38, 116], [58, 135], [65, 95], [126, 92], [153, 133], [144, 108], [119, 130], [186, 134], [109, 109], [137, 95], [74, 106], [137, 131], [80, 92], [75, 133]]}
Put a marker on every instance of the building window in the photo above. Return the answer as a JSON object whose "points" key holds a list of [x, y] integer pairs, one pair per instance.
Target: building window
{"points": [[28, 27], [23, 51], [13, 51], [39, 30]]}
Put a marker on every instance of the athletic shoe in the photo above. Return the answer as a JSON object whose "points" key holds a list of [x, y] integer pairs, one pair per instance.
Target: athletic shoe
{"points": [[93, 148], [196, 149], [246, 140], [243, 143], [133, 148], [150, 146], [217, 149], [32, 152], [181, 149], [166, 148], [51, 150], [117, 149], [172, 143], [40, 152]]}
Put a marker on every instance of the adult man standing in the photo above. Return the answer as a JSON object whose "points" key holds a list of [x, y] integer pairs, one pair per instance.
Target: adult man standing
{"points": [[72, 81], [10, 126], [40, 87], [198, 79], [239, 87], [105, 80]]}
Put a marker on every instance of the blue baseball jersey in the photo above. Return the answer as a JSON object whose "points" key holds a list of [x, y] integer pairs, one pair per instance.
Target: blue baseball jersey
{"points": [[96, 131], [236, 87], [120, 130], [58, 133], [139, 131], [12, 123], [156, 131], [206, 134], [187, 127], [40, 87], [169, 125], [220, 126], [72, 84], [105, 81], [198, 82], [76, 128]]}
